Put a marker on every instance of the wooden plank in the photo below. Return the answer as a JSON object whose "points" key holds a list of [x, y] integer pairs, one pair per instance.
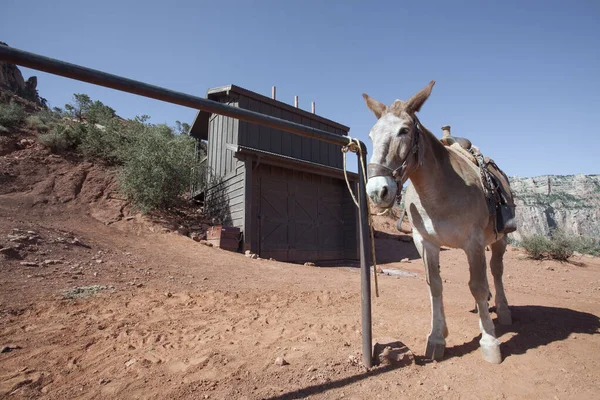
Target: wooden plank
{"points": [[247, 223], [253, 129], [277, 136], [265, 133], [323, 147]]}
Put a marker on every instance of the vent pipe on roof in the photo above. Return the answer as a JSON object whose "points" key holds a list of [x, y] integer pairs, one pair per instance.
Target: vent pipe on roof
{"points": [[274, 93], [313, 107], [296, 101]]}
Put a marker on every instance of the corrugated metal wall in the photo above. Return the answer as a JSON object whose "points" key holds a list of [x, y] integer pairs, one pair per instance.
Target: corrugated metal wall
{"points": [[284, 143]]}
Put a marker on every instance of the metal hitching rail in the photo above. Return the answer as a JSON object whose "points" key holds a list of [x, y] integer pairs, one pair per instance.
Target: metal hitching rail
{"points": [[34, 61]]}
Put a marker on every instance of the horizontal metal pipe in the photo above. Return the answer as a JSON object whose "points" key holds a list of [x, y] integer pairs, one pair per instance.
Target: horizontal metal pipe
{"points": [[78, 72]]}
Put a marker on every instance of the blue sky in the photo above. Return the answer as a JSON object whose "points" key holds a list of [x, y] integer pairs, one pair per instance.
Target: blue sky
{"points": [[507, 72]]}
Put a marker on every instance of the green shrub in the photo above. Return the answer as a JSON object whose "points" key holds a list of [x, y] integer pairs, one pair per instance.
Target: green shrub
{"points": [[559, 246], [43, 121], [537, 246], [11, 116], [587, 245], [157, 168], [64, 137], [562, 247]]}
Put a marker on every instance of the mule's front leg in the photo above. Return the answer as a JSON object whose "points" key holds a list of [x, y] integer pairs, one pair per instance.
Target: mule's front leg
{"points": [[436, 341], [490, 346]]}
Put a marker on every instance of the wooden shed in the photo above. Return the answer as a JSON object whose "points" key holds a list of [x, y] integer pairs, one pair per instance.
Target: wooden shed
{"points": [[286, 193]]}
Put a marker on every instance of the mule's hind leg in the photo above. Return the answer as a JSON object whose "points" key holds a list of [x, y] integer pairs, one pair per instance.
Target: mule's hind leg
{"points": [[478, 283], [497, 267], [436, 341]]}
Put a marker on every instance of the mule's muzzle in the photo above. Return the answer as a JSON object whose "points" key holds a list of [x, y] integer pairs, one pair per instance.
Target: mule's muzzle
{"points": [[382, 191]]}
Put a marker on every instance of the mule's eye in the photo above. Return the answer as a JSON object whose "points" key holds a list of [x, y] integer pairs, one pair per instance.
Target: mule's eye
{"points": [[403, 131]]}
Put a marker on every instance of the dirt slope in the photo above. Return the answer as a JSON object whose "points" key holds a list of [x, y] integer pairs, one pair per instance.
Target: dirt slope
{"points": [[172, 318]]}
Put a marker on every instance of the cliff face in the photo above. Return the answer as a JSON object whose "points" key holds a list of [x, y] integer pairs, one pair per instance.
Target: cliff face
{"points": [[12, 80], [569, 202]]}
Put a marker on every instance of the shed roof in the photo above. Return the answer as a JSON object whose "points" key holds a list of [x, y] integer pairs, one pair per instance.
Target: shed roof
{"points": [[199, 128]]}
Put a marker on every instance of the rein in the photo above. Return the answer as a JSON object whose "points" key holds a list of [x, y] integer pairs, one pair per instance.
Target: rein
{"points": [[400, 174]]}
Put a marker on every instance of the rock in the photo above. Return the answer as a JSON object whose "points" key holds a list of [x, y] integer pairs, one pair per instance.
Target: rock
{"points": [[206, 243], [11, 252], [311, 369], [248, 253], [52, 262], [309, 264], [392, 352], [29, 264], [548, 268], [182, 230], [379, 270], [7, 349], [567, 202], [281, 361], [405, 260], [169, 294], [446, 388], [78, 242], [99, 261], [130, 362]]}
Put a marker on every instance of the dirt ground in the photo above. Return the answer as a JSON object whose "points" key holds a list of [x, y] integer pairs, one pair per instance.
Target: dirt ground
{"points": [[95, 304]]}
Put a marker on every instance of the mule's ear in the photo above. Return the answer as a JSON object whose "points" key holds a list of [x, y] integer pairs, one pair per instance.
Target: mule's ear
{"points": [[375, 106], [414, 103]]}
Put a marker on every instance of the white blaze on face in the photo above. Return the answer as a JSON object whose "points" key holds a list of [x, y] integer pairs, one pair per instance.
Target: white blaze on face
{"points": [[382, 189]]}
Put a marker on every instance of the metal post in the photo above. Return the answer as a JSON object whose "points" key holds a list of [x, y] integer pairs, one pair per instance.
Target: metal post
{"points": [[313, 107], [296, 101], [365, 263]]}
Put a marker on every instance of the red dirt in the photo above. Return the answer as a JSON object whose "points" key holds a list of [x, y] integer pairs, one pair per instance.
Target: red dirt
{"points": [[182, 320]]}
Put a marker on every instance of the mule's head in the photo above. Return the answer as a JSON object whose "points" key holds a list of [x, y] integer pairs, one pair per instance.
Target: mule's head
{"points": [[393, 137]]}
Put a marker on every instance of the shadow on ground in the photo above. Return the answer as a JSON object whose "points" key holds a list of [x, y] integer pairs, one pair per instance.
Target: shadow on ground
{"points": [[389, 356], [535, 326]]}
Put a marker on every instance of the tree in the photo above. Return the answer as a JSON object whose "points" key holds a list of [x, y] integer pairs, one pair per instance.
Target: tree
{"points": [[79, 106], [182, 128]]}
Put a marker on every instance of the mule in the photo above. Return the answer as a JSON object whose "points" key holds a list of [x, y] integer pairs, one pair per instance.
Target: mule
{"points": [[446, 206]]}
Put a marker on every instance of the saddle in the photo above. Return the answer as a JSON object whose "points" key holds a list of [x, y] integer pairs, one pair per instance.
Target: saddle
{"points": [[499, 196]]}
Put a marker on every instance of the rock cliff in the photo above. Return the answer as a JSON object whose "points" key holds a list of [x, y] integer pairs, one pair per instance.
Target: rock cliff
{"points": [[12, 80], [570, 202]]}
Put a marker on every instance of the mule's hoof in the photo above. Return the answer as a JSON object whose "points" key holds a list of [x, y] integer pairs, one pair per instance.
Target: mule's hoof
{"points": [[491, 352], [504, 316], [435, 350]]}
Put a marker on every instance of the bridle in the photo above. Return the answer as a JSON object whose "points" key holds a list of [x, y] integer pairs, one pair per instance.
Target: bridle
{"points": [[412, 161]]}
